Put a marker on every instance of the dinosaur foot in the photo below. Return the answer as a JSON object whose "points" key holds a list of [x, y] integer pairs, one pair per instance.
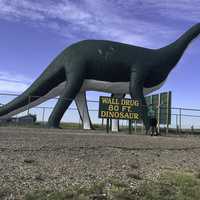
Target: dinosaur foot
{"points": [[53, 126]]}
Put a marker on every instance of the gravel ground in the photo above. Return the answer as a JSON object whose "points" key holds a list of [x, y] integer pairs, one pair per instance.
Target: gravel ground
{"points": [[35, 159]]}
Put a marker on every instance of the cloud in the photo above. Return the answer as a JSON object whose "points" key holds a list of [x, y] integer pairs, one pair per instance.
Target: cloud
{"points": [[84, 19], [12, 87], [13, 83], [16, 9], [187, 10], [180, 9]]}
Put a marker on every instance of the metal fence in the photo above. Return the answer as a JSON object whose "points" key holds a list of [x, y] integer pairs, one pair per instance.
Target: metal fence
{"points": [[183, 120]]}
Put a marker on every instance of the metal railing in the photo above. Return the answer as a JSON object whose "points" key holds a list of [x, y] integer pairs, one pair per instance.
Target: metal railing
{"points": [[183, 120]]}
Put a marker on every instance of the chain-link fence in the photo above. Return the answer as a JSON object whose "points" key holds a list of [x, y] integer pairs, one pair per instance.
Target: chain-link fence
{"points": [[181, 120]]}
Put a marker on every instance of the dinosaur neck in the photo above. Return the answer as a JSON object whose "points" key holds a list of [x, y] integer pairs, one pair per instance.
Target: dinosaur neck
{"points": [[172, 53], [183, 42]]}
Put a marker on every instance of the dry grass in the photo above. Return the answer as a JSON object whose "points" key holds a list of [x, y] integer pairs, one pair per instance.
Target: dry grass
{"points": [[169, 186]]}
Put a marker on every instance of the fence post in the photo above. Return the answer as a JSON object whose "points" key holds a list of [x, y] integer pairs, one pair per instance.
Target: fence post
{"points": [[167, 120], [130, 126], [158, 111], [43, 114], [142, 127], [29, 100], [107, 125], [192, 129], [177, 127], [180, 120], [110, 121], [83, 116], [135, 127]]}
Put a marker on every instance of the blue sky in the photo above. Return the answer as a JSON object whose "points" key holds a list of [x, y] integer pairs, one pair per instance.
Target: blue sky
{"points": [[33, 32]]}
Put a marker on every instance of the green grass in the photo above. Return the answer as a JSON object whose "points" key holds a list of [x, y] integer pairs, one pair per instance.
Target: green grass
{"points": [[169, 186], [172, 186]]}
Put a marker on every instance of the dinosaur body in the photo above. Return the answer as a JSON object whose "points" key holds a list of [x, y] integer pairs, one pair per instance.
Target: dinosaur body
{"points": [[103, 66]]}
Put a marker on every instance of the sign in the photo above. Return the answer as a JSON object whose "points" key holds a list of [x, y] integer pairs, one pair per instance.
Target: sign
{"points": [[161, 104], [115, 108]]}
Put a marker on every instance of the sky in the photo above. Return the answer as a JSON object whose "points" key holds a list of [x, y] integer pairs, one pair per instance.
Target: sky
{"points": [[34, 32]]}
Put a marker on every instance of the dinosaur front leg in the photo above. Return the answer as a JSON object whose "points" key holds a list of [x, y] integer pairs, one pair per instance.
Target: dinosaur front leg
{"points": [[72, 87], [136, 92], [81, 104]]}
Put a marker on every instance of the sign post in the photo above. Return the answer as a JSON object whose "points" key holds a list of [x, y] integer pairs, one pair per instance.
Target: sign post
{"points": [[107, 125], [130, 126]]}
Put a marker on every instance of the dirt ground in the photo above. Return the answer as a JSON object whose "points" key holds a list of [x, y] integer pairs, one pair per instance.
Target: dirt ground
{"points": [[35, 159]]}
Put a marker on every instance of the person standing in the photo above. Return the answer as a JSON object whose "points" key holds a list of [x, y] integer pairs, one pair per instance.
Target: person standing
{"points": [[152, 121]]}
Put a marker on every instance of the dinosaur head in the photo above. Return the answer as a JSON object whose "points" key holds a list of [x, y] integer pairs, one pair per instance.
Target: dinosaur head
{"points": [[170, 55]]}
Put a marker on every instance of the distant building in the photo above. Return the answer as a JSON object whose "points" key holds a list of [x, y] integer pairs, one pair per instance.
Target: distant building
{"points": [[27, 119]]}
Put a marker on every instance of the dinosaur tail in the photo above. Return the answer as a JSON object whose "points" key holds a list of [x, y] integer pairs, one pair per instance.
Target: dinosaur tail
{"points": [[49, 79]]}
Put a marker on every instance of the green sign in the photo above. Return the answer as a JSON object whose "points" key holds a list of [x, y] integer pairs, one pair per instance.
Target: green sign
{"points": [[161, 104], [115, 108]]}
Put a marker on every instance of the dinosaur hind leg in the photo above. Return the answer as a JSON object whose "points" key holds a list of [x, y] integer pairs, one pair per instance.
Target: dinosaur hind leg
{"points": [[72, 87], [81, 104]]}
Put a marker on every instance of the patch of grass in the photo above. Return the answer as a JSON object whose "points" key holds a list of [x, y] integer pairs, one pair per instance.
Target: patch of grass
{"points": [[198, 174], [55, 195], [172, 186], [117, 183], [169, 186], [70, 125], [3, 192]]}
